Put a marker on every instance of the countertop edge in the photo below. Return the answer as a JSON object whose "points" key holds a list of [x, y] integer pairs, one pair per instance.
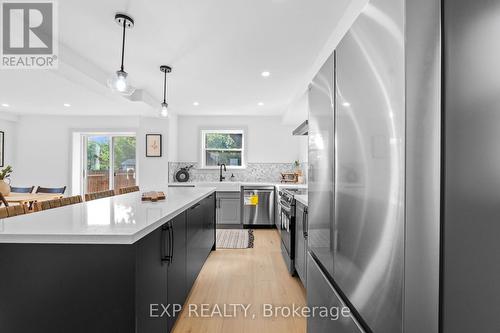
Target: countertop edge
{"points": [[163, 220], [100, 239], [302, 199]]}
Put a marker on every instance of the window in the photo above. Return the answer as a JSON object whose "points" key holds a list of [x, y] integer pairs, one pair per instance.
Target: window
{"points": [[222, 146], [106, 161]]}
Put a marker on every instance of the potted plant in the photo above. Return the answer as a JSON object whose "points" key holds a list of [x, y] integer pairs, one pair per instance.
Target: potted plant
{"points": [[296, 165], [4, 175]]}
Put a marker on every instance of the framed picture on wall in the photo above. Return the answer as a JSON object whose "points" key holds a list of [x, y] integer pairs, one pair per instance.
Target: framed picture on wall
{"points": [[153, 145], [1, 148]]}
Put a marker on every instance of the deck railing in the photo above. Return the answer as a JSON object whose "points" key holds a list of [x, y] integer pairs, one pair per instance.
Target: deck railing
{"points": [[99, 180]]}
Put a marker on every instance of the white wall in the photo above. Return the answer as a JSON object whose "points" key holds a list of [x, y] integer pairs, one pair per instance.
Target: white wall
{"points": [[8, 125], [268, 140], [153, 171], [40, 147], [44, 147]]}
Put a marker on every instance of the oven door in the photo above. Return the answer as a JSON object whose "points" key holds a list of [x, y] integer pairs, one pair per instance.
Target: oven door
{"points": [[286, 227]]}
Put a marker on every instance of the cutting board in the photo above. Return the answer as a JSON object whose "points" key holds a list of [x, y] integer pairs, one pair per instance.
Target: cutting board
{"points": [[153, 196]]}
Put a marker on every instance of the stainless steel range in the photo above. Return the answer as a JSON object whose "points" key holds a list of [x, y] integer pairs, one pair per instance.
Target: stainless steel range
{"points": [[287, 224]]}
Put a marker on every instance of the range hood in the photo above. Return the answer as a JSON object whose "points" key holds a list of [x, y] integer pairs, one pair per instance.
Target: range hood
{"points": [[302, 129]]}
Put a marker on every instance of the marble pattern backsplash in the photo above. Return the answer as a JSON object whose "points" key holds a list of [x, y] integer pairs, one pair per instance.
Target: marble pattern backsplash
{"points": [[254, 172]]}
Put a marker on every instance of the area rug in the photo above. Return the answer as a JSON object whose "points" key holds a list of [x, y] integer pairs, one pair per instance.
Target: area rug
{"points": [[234, 238]]}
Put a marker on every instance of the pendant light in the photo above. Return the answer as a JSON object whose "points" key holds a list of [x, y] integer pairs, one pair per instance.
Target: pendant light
{"points": [[164, 105], [118, 82]]}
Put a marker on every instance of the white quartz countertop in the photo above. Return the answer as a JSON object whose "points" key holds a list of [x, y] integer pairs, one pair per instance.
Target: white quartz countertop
{"points": [[230, 186], [122, 219], [302, 199]]}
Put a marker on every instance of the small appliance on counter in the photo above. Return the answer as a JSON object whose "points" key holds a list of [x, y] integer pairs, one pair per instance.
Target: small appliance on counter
{"points": [[182, 175]]}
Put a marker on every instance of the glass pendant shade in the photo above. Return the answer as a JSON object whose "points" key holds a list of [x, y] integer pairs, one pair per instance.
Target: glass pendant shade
{"points": [[164, 105], [118, 83], [164, 110]]}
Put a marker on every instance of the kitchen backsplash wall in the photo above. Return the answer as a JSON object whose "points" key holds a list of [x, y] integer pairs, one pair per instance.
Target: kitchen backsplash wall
{"points": [[254, 172]]}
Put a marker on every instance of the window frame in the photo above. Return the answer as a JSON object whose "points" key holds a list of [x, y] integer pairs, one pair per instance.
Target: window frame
{"points": [[203, 149]]}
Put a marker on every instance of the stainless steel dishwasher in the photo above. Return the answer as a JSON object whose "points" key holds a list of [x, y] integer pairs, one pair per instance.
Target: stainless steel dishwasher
{"points": [[257, 205]]}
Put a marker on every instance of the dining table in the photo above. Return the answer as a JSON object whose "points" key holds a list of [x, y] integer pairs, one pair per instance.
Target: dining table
{"points": [[30, 198]]}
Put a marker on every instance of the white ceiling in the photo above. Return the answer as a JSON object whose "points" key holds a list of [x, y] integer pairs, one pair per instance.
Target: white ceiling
{"points": [[217, 49]]}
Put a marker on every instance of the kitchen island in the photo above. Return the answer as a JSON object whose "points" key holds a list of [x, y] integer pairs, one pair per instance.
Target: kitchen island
{"points": [[109, 265]]}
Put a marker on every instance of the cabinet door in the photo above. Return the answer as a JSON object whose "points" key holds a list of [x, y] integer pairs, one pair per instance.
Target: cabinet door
{"points": [[300, 242], [228, 208], [200, 236], [209, 213], [195, 247], [151, 282], [177, 266], [320, 293]]}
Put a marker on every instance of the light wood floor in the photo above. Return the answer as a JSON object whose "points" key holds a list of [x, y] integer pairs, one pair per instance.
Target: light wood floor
{"points": [[245, 276]]}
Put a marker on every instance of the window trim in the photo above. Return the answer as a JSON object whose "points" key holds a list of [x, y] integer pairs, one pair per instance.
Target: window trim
{"points": [[203, 149]]}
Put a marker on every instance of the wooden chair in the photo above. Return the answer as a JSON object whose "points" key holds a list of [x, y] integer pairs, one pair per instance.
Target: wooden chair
{"points": [[22, 189], [60, 190], [3, 212], [49, 204], [71, 200], [75, 199], [99, 195], [44, 205], [2, 200], [130, 189], [11, 211]]}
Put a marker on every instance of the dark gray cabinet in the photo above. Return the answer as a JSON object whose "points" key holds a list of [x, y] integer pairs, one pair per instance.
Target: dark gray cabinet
{"points": [[200, 236], [301, 241], [209, 222], [320, 293], [169, 260], [106, 287], [228, 208], [176, 267], [161, 275], [151, 280]]}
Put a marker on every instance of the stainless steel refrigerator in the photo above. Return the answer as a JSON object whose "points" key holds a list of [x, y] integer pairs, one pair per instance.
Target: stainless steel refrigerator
{"points": [[373, 233]]}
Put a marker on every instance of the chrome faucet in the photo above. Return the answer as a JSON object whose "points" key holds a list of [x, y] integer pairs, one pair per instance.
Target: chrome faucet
{"points": [[221, 177]]}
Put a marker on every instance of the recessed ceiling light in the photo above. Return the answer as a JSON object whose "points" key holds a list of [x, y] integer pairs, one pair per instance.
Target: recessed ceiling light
{"points": [[5, 105], [67, 105], [260, 104], [196, 103], [346, 104], [265, 74]]}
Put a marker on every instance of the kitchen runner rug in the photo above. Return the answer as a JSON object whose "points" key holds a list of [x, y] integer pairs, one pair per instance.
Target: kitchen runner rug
{"points": [[234, 238]]}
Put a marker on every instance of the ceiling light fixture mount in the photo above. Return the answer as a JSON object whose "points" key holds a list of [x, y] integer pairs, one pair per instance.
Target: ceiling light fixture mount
{"points": [[265, 74], [118, 82], [164, 105], [120, 19]]}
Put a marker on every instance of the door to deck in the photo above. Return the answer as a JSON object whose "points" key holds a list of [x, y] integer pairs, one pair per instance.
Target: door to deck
{"points": [[109, 162]]}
